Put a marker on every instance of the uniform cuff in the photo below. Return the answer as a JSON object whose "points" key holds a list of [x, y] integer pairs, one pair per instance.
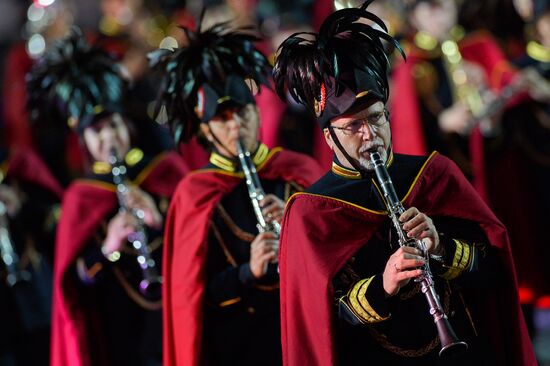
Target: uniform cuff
{"points": [[367, 300]]}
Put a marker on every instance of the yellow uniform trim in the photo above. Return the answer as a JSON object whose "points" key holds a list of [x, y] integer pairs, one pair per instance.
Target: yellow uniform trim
{"points": [[461, 261], [98, 184], [147, 170], [230, 302], [419, 174], [338, 200], [345, 172], [538, 52], [259, 167], [364, 208], [139, 179], [133, 156], [101, 167], [223, 99], [222, 162], [359, 303], [352, 173], [260, 156]]}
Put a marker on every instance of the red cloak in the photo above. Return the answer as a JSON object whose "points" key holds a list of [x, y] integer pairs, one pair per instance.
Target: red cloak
{"points": [[319, 234], [407, 132], [18, 64], [23, 164], [185, 246], [85, 205]]}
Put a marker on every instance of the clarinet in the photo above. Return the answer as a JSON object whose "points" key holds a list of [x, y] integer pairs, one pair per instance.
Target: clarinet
{"points": [[10, 258], [506, 94], [255, 191], [450, 344], [151, 283]]}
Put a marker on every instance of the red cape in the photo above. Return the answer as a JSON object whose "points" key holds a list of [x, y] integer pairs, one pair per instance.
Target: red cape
{"points": [[185, 246], [23, 164], [320, 234], [85, 205], [407, 132], [18, 64]]}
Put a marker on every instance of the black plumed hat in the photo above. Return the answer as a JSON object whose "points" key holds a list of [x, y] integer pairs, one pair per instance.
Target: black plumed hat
{"points": [[212, 71], [339, 68], [75, 82]]}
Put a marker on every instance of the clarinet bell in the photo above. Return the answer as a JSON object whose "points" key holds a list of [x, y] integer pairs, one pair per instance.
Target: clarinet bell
{"points": [[151, 288]]}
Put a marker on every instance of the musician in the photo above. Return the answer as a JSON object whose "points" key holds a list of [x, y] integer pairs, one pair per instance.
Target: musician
{"points": [[439, 108], [221, 305], [526, 134], [29, 197], [441, 92], [348, 291], [100, 316]]}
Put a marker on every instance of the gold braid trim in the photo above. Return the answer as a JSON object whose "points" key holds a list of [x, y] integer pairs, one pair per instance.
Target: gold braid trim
{"points": [[134, 295], [226, 251], [237, 231], [360, 305], [229, 302], [461, 261]]}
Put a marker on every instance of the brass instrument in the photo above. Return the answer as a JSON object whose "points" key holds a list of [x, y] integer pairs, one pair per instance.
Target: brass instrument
{"points": [[255, 191], [507, 93], [14, 275], [462, 88], [151, 284], [450, 344]]}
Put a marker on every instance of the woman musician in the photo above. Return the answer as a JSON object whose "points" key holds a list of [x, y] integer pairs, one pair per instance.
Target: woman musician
{"points": [[101, 314]]}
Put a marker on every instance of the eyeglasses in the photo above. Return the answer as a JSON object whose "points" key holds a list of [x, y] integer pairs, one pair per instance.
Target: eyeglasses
{"points": [[376, 120]]}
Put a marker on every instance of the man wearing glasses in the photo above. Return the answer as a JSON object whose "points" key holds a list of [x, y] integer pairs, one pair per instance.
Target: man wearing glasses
{"points": [[349, 292]]}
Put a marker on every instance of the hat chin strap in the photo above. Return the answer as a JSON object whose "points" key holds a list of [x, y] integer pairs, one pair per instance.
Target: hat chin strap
{"points": [[220, 143], [353, 162]]}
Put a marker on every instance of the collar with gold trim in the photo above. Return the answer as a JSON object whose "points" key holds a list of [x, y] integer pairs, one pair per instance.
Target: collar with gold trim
{"points": [[133, 157], [430, 44], [352, 173], [538, 52], [230, 165]]}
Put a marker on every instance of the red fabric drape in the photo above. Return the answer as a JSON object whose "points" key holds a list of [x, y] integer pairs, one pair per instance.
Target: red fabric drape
{"points": [[25, 165], [85, 205], [186, 247], [321, 233]]}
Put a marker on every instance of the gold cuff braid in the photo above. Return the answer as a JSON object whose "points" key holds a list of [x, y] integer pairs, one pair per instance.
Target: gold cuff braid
{"points": [[359, 304], [461, 260]]}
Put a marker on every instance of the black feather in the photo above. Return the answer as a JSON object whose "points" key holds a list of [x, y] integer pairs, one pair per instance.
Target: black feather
{"points": [[209, 58], [344, 43], [71, 79]]}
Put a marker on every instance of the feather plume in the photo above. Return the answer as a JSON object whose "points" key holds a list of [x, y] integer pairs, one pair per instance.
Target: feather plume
{"points": [[209, 58], [71, 79], [345, 42]]}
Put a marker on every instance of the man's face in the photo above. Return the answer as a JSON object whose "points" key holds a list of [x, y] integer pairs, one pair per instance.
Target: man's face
{"points": [[360, 132], [107, 134], [230, 124], [543, 29]]}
